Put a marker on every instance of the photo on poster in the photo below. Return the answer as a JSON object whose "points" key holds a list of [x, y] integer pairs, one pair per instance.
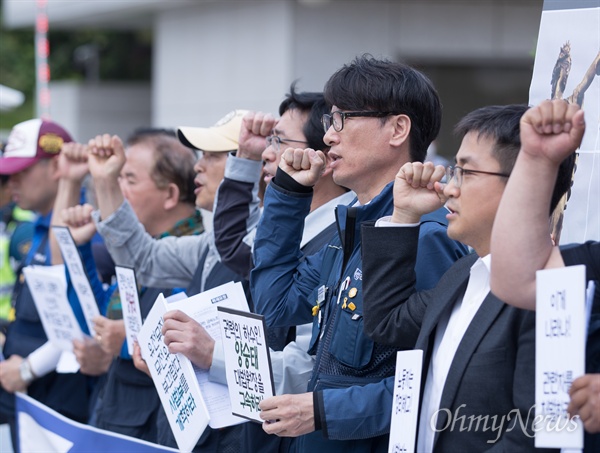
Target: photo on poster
{"points": [[567, 66]]}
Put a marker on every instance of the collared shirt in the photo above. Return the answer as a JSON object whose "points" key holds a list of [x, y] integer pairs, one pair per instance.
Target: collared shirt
{"points": [[323, 216], [449, 332]]}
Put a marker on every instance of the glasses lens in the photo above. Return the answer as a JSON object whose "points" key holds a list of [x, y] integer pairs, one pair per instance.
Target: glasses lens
{"points": [[273, 140], [338, 121], [326, 122], [453, 173]]}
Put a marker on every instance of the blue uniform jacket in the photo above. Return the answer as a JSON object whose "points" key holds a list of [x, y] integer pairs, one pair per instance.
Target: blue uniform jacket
{"points": [[327, 289]]}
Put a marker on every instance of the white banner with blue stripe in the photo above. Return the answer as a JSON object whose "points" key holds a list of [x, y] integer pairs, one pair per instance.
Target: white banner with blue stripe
{"points": [[43, 430]]}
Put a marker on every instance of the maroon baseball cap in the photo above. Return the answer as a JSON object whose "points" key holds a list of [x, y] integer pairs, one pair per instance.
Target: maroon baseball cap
{"points": [[30, 142]]}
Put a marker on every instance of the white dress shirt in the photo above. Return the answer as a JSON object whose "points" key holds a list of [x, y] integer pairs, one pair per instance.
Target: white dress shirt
{"points": [[449, 332]]}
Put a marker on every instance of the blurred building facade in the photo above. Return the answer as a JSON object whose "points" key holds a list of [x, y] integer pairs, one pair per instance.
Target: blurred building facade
{"points": [[211, 56]]}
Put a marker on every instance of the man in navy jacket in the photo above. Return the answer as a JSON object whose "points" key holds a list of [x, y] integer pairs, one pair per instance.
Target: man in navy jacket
{"points": [[383, 114]]}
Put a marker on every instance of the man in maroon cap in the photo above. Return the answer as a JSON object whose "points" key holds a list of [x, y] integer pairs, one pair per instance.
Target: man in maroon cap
{"points": [[31, 159]]}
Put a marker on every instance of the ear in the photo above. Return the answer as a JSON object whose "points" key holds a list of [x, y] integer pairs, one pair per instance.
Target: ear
{"points": [[172, 198], [401, 130]]}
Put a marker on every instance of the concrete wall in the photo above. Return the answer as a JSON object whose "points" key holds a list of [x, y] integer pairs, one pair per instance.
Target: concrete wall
{"points": [[216, 57], [213, 56], [87, 110]]}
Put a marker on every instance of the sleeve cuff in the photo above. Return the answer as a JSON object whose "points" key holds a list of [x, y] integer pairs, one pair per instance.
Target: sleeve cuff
{"points": [[387, 222], [286, 182], [319, 411], [242, 170], [44, 359], [217, 367]]}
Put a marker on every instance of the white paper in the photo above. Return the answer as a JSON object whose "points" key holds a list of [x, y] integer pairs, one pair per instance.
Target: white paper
{"points": [[247, 361], [405, 409], [67, 363], [130, 304], [175, 297], [79, 278], [175, 381], [559, 355], [203, 308], [48, 289]]}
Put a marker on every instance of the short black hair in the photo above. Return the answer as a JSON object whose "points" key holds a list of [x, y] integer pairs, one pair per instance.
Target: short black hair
{"points": [[385, 86], [501, 123], [313, 104]]}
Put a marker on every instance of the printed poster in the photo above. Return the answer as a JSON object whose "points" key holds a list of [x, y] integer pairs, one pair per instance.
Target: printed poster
{"points": [[79, 278], [174, 379], [247, 361], [48, 288], [567, 66], [405, 411], [130, 304], [559, 355]]}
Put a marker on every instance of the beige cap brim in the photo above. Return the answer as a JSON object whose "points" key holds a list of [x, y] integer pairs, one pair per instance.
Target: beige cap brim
{"points": [[205, 139]]}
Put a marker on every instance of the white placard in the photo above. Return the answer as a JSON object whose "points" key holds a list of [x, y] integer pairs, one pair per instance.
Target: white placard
{"points": [[247, 361], [203, 308], [49, 292], [130, 304], [560, 354], [174, 379], [79, 278], [405, 409]]}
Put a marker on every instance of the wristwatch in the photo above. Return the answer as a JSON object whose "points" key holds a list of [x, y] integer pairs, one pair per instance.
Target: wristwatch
{"points": [[27, 375]]}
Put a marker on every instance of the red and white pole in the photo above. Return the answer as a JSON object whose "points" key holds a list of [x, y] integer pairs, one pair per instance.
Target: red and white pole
{"points": [[42, 69]]}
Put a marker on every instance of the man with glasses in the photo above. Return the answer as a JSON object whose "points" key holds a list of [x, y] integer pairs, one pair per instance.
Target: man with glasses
{"points": [[478, 353], [235, 219], [367, 148]]}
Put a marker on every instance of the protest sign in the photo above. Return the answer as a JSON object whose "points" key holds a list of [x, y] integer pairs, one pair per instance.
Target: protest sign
{"points": [[560, 354], [130, 304], [174, 379], [247, 361], [48, 289], [405, 409], [79, 278], [203, 308]]}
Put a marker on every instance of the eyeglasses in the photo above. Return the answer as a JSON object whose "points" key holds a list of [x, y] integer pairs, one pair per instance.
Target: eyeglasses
{"points": [[457, 173], [275, 141], [337, 118]]}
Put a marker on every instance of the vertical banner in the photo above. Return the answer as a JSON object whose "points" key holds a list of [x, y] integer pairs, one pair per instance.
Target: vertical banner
{"points": [[130, 304], [174, 379], [247, 361], [567, 66], [560, 354], [79, 278], [49, 292], [405, 411]]}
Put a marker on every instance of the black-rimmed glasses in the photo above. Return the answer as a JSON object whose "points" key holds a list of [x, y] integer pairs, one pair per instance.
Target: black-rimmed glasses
{"points": [[275, 141], [457, 173], [337, 118]]}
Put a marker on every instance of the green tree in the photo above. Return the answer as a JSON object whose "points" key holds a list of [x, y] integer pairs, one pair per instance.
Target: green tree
{"points": [[122, 56]]}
